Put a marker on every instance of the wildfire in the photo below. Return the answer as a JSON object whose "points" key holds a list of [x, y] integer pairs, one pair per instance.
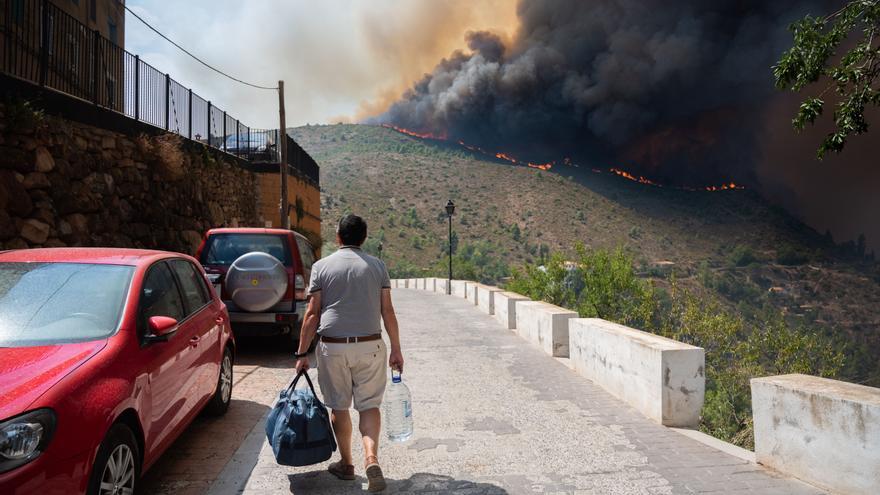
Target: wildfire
{"points": [[639, 179], [547, 166], [420, 135], [508, 158]]}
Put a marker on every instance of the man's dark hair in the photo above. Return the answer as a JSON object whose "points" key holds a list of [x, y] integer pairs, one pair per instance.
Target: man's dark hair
{"points": [[352, 230]]}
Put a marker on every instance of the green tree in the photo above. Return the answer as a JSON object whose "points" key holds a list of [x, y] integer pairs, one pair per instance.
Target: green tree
{"points": [[474, 261], [742, 255], [852, 74], [612, 290]]}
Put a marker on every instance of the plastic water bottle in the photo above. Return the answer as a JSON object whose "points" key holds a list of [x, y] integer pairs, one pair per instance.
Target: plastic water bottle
{"points": [[397, 409]]}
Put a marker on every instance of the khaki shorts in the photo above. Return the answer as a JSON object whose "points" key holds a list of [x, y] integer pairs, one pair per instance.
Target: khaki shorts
{"points": [[356, 370]]}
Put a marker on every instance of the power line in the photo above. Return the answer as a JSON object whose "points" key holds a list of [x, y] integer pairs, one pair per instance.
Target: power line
{"points": [[197, 59]]}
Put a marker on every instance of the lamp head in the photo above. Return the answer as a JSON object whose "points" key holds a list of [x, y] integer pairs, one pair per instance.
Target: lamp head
{"points": [[450, 208]]}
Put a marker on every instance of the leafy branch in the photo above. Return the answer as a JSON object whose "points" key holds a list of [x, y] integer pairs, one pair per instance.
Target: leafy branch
{"points": [[853, 76]]}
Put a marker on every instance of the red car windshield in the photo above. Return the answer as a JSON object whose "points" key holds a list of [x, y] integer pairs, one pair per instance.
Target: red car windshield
{"points": [[54, 303], [224, 249]]}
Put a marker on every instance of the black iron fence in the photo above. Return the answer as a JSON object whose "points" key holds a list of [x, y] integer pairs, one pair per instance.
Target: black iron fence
{"points": [[45, 45]]}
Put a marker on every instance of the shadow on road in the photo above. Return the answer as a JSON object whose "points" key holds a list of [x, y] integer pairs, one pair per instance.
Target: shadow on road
{"points": [[267, 352], [323, 482], [202, 450]]}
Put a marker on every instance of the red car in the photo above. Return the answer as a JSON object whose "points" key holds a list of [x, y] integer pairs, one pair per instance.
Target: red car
{"points": [[106, 355], [261, 275]]}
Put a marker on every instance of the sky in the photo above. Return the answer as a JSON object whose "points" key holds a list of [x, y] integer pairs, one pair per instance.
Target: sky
{"points": [[341, 60]]}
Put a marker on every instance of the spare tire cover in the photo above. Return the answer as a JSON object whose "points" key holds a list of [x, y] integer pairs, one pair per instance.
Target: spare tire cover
{"points": [[256, 281]]}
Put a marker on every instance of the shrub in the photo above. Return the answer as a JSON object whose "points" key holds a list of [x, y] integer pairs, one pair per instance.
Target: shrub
{"points": [[474, 261], [789, 255], [742, 255]]}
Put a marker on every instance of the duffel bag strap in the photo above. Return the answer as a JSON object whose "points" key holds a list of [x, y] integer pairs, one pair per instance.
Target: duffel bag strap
{"points": [[308, 380]]}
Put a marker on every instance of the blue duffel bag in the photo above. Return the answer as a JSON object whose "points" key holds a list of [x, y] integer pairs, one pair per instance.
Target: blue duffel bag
{"points": [[299, 428]]}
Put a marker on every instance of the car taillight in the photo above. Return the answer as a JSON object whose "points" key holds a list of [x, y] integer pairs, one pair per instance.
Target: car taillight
{"points": [[299, 284]]}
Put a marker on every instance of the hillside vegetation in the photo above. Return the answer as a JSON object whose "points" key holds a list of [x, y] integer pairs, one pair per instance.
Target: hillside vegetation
{"points": [[731, 246]]}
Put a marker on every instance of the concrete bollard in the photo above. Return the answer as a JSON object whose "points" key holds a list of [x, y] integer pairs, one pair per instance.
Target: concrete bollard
{"points": [[823, 431], [664, 379], [505, 308], [545, 326], [486, 298], [471, 290], [459, 288]]}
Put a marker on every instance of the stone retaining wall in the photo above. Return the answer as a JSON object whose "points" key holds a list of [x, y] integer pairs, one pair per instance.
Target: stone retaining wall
{"points": [[505, 308], [545, 326], [823, 431], [459, 288], [63, 183], [662, 378], [486, 298], [470, 292]]}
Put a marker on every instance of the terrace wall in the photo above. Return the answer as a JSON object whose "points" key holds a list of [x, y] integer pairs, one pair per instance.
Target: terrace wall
{"points": [[65, 183]]}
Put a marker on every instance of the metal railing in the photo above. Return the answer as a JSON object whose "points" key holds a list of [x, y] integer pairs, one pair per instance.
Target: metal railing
{"points": [[41, 43]]}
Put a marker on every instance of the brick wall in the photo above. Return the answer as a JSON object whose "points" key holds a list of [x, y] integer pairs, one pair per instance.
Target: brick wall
{"points": [[269, 187]]}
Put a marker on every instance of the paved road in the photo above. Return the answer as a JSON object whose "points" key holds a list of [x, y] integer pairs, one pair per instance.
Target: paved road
{"points": [[493, 416], [193, 463]]}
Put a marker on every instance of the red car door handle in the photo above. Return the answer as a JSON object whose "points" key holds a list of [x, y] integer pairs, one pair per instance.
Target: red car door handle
{"points": [[194, 341], [219, 320]]}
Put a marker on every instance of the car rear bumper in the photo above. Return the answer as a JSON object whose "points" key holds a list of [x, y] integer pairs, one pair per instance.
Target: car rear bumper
{"points": [[267, 324], [273, 318]]}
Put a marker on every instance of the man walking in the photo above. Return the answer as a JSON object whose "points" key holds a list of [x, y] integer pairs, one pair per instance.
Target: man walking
{"points": [[348, 293]]}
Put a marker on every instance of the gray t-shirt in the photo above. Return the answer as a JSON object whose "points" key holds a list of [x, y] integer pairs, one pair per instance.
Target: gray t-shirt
{"points": [[351, 283]]}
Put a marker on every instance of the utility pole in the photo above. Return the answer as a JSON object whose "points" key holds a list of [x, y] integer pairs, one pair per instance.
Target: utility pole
{"points": [[282, 144]]}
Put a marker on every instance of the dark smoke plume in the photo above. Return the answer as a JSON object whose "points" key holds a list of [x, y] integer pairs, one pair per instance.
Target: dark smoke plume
{"points": [[681, 92], [673, 89]]}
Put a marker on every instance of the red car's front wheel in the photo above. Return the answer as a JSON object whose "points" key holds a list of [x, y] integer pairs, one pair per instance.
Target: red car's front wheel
{"points": [[117, 468]]}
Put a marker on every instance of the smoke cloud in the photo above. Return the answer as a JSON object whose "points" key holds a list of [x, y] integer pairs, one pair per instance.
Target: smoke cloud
{"points": [[679, 91], [342, 58]]}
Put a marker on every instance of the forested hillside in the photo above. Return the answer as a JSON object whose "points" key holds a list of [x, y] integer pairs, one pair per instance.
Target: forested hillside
{"points": [[730, 245]]}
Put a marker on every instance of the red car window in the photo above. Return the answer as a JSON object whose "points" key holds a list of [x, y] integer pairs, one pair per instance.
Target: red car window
{"points": [[192, 283], [159, 296]]}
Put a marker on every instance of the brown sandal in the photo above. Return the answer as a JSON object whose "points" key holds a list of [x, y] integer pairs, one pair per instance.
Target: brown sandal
{"points": [[341, 471], [375, 478]]}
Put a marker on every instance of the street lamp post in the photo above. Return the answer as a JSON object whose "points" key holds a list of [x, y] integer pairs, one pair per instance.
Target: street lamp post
{"points": [[450, 210]]}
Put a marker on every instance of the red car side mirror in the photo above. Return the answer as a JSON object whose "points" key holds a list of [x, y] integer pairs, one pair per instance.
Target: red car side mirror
{"points": [[162, 326]]}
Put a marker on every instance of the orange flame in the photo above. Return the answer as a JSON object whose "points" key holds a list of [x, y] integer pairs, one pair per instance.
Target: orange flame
{"points": [[420, 135], [500, 155], [642, 180], [639, 179]]}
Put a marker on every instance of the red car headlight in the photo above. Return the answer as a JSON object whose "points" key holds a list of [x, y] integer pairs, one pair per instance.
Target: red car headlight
{"points": [[23, 438]]}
